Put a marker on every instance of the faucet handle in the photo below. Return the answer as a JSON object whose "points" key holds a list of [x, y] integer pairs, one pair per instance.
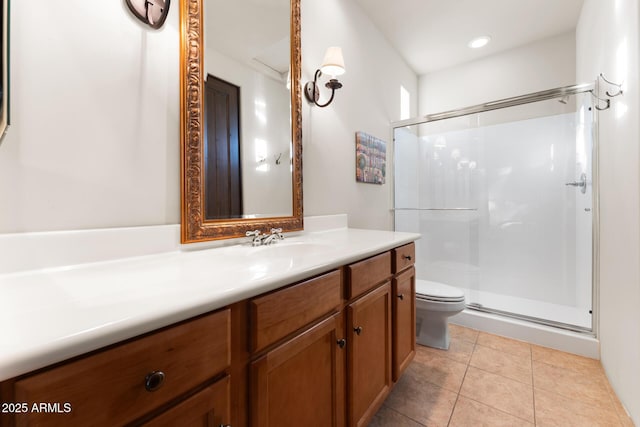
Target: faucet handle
{"points": [[257, 239], [277, 233]]}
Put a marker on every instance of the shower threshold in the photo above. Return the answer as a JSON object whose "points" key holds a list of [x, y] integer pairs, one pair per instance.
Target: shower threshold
{"points": [[532, 310], [583, 343], [532, 319]]}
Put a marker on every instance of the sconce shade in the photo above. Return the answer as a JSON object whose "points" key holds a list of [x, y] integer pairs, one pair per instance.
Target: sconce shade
{"points": [[333, 62]]}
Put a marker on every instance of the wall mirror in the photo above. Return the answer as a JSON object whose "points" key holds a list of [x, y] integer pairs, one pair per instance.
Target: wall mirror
{"points": [[4, 67], [241, 138]]}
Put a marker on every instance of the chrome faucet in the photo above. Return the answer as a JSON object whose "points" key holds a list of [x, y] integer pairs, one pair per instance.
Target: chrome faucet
{"points": [[257, 239], [265, 239], [276, 234]]}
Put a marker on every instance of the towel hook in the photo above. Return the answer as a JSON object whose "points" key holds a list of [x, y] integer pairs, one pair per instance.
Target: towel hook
{"points": [[606, 101], [619, 86]]}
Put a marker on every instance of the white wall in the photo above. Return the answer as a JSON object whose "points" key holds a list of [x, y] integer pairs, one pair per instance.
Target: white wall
{"points": [[94, 136], [369, 101], [541, 65], [607, 42], [94, 140]]}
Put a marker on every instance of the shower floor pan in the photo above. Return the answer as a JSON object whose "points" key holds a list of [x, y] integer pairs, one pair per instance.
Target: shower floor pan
{"points": [[577, 319]]}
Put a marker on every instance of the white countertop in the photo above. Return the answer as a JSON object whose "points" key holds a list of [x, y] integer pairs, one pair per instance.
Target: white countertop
{"points": [[50, 315]]}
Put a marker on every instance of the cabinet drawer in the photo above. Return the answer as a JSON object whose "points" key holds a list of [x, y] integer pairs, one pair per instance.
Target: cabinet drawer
{"points": [[207, 407], [109, 387], [403, 257], [276, 315], [364, 275]]}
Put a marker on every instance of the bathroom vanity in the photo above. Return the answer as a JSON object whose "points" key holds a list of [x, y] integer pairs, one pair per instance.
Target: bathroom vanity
{"points": [[312, 332]]}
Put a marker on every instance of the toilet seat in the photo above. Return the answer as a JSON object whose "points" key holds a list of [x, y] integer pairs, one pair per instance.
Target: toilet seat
{"points": [[438, 292]]}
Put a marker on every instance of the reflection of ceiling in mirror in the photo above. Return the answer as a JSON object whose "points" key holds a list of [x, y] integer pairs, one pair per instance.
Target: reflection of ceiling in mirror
{"points": [[250, 31], [433, 34]]}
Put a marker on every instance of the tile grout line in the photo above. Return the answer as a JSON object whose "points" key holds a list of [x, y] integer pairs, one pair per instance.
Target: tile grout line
{"points": [[461, 383], [619, 415], [404, 415], [612, 408], [493, 407], [500, 410], [617, 410], [571, 369], [579, 372], [585, 400], [503, 376], [533, 387], [502, 351]]}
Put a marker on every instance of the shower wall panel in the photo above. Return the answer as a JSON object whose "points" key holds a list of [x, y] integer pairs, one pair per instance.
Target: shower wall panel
{"points": [[494, 211]]}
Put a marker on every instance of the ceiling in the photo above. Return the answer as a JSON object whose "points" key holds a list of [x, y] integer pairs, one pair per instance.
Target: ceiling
{"points": [[433, 34]]}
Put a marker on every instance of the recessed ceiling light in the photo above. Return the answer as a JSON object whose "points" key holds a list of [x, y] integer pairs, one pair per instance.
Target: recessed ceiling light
{"points": [[479, 42]]}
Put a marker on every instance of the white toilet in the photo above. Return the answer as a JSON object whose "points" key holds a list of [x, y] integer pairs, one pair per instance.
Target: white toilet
{"points": [[435, 303]]}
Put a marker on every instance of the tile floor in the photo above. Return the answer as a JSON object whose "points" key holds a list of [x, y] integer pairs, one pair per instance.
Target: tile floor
{"points": [[488, 380]]}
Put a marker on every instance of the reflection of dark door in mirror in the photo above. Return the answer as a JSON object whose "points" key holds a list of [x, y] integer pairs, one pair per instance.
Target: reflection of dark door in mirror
{"points": [[222, 174]]}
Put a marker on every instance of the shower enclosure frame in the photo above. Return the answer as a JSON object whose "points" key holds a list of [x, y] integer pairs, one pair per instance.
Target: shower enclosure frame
{"points": [[593, 89]]}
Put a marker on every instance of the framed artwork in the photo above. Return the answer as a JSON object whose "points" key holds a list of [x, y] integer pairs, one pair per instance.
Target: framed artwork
{"points": [[371, 158]]}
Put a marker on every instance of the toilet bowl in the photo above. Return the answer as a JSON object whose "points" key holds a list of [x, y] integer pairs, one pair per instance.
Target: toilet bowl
{"points": [[435, 303]]}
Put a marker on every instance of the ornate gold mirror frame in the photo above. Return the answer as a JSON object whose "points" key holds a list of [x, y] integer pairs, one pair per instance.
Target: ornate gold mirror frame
{"points": [[194, 227]]}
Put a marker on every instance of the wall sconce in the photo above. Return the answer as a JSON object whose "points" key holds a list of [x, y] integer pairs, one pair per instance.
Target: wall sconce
{"points": [[151, 12], [333, 65]]}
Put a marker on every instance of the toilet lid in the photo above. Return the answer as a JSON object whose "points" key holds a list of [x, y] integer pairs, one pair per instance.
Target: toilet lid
{"points": [[438, 291]]}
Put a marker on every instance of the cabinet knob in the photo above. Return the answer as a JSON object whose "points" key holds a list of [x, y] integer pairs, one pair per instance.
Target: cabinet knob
{"points": [[342, 343], [154, 380], [401, 297], [358, 330], [407, 257]]}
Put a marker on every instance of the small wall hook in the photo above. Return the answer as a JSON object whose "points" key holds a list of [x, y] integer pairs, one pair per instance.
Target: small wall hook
{"points": [[607, 102], [619, 86]]}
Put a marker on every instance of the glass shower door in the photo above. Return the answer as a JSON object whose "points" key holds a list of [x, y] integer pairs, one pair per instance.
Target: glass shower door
{"points": [[503, 200]]}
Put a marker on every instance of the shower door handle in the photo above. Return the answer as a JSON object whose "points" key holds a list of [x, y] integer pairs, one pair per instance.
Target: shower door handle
{"points": [[582, 183]]}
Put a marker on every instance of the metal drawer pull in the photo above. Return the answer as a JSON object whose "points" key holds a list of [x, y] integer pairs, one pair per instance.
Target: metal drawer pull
{"points": [[401, 297], [407, 257], [154, 380], [342, 343], [358, 330]]}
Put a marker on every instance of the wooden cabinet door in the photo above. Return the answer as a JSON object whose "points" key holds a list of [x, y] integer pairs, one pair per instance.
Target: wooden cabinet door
{"points": [[404, 321], [369, 360], [301, 382], [207, 408]]}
